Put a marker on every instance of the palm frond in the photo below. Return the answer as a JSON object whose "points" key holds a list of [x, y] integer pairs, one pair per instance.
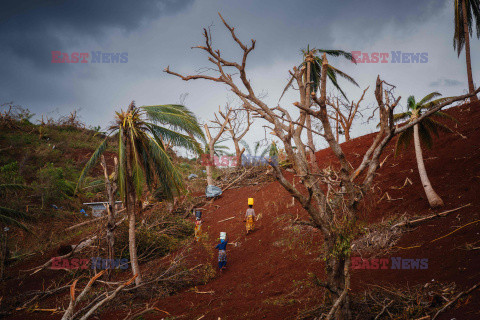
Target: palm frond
{"points": [[443, 115], [411, 103], [246, 146], [333, 78], [338, 53], [91, 162], [289, 84], [164, 170], [403, 141], [9, 217], [425, 136], [429, 97], [175, 138], [13, 187], [435, 126], [402, 116], [459, 34], [433, 103], [176, 116], [343, 75], [137, 170]]}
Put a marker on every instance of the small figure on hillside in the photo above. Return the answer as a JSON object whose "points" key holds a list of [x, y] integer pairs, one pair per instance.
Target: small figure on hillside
{"points": [[250, 218], [198, 228], [222, 251], [198, 224]]}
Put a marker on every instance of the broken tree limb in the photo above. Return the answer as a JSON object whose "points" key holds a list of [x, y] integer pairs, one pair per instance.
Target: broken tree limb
{"points": [[233, 182], [73, 302], [49, 262], [41, 295], [458, 296], [227, 219], [91, 221], [108, 298], [418, 221]]}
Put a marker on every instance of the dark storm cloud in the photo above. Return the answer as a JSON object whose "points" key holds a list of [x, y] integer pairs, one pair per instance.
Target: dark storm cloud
{"points": [[31, 29], [160, 33]]}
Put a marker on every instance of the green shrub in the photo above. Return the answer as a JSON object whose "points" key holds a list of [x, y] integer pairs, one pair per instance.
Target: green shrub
{"points": [[53, 184], [9, 174], [155, 238]]}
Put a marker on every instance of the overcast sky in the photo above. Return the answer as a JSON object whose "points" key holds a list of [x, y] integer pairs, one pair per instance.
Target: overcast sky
{"points": [[156, 34]]}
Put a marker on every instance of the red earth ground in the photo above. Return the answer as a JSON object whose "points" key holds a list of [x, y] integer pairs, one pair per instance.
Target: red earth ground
{"points": [[268, 273]]}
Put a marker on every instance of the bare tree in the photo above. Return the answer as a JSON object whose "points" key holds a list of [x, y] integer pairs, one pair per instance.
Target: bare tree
{"points": [[331, 197], [211, 140], [344, 113], [238, 125], [111, 188]]}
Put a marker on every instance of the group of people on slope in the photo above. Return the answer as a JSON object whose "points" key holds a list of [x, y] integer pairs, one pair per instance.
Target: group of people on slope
{"points": [[222, 246]]}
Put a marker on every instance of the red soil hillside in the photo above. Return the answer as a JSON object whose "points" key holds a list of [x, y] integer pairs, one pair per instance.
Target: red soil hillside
{"points": [[267, 276], [269, 271]]}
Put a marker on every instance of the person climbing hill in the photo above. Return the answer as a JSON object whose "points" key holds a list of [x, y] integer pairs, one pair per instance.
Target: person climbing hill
{"points": [[222, 252], [198, 228], [198, 224], [250, 218]]}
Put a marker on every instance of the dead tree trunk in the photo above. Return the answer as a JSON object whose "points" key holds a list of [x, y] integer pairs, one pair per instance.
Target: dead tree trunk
{"points": [[211, 143], [111, 189]]}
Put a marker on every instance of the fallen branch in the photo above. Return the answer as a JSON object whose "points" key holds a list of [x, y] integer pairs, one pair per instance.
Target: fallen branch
{"points": [[73, 302], [461, 294], [226, 219], [241, 176], [90, 221], [383, 310], [108, 298], [42, 295], [49, 262], [418, 221], [142, 312], [407, 180]]}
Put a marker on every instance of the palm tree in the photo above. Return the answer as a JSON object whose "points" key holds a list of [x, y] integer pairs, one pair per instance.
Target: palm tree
{"points": [[465, 12], [313, 63], [143, 158], [422, 133]]}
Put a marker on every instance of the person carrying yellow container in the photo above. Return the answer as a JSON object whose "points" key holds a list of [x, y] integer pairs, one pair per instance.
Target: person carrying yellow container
{"points": [[250, 216], [198, 225]]}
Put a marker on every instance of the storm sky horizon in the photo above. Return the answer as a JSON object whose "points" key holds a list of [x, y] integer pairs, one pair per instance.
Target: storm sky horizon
{"points": [[157, 34]]}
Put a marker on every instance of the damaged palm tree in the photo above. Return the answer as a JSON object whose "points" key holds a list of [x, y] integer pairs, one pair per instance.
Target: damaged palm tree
{"points": [[143, 159], [422, 134], [331, 198]]}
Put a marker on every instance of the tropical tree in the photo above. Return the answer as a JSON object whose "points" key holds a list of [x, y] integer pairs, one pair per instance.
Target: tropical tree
{"points": [[313, 62], [422, 134], [466, 11], [142, 133]]}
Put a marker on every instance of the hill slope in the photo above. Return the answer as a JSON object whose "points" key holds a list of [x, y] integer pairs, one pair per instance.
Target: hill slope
{"points": [[268, 272]]}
